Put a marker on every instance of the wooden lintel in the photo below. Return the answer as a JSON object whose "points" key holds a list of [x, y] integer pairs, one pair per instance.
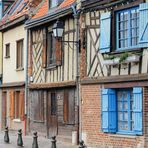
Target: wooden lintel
{"points": [[116, 79], [53, 85]]}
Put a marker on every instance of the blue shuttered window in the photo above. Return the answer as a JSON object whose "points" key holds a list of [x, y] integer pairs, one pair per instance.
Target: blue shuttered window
{"points": [[137, 109], [131, 29], [105, 32], [108, 110], [122, 110], [143, 26]]}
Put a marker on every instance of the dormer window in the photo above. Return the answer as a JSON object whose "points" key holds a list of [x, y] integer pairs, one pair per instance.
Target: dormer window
{"points": [[54, 3]]}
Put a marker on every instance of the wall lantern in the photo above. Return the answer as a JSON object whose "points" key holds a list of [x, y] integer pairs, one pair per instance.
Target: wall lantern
{"points": [[58, 29]]}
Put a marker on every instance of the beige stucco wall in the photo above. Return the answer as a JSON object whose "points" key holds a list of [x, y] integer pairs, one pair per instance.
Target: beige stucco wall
{"points": [[9, 64], [0, 53]]}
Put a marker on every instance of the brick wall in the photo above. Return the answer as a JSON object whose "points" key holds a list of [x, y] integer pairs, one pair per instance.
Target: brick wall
{"points": [[91, 123]]}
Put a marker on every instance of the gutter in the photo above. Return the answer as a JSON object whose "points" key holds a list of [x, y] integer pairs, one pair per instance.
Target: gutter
{"points": [[26, 80], [48, 18]]}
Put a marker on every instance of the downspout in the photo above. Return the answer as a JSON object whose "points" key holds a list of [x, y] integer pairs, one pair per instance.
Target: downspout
{"points": [[26, 80], [76, 14]]}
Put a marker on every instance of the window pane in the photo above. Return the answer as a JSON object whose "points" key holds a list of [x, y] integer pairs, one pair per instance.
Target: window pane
{"points": [[128, 28], [120, 116]]}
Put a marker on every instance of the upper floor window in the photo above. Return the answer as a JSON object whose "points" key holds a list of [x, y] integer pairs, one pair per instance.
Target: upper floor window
{"points": [[19, 54], [51, 49], [125, 30], [7, 51], [54, 3], [127, 33]]}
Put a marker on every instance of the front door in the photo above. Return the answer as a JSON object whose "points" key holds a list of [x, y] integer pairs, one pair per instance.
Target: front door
{"points": [[52, 114], [4, 109]]}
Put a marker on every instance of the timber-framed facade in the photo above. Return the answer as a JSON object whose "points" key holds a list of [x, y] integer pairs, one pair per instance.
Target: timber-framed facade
{"points": [[53, 105], [114, 73]]}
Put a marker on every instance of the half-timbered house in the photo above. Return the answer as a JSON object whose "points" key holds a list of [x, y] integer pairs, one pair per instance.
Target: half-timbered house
{"points": [[14, 47], [52, 71], [114, 73]]}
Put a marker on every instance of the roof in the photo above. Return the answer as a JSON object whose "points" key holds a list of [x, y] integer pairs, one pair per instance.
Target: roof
{"points": [[18, 9], [43, 10]]}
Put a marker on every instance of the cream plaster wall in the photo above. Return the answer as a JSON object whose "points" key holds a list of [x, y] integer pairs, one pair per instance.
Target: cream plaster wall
{"points": [[9, 64], [0, 53]]}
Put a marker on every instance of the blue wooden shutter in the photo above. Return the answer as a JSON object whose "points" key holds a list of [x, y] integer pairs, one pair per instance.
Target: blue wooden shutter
{"points": [[137, 109], [105, 32], [108, 110], [1, 13], [112, 111], [143, 25]]}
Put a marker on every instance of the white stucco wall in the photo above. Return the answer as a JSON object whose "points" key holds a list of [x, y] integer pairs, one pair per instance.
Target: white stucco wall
{"points": [[9, 64]]}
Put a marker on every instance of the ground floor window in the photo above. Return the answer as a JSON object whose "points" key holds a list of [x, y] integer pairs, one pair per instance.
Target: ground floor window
{"points": [[122, 110], [17, 104]]}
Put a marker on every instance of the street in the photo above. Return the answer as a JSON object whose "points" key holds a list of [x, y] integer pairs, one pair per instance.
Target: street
{"points": [[27, 140]]}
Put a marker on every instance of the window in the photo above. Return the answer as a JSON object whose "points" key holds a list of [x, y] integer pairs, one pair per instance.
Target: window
{"points": [[122, 110], [54, 3], [127, 28], [129, 31], [51, 50], [7, 52], [19, 54], [125, 110], [17, 105], [38, 105], [53, 104]]}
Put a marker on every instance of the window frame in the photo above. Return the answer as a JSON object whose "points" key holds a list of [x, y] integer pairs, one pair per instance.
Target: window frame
{"points": [[20, 66], [7, 45], [130, 90], [129, 28], [113, 26]]}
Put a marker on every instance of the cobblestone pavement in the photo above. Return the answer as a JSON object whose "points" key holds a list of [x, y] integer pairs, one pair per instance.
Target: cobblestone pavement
{"points": [[27, 140]]}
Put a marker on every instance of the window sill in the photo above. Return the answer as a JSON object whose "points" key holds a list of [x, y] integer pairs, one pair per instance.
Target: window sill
{"points": [[51, 66], [7, 57], [126, 50], [17, 120], [124, 136], [19, 69]]}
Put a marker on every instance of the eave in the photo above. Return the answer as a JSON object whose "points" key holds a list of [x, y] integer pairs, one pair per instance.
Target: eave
{"points": [[53, 85], [14, 23], [92, 5], [48, 18]]}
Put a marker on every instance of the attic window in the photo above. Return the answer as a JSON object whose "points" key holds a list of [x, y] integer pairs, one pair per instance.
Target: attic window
{"points": [[54, 3]]}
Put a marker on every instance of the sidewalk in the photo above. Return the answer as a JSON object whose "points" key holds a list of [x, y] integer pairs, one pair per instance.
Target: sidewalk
{"points": [[27, 140]]}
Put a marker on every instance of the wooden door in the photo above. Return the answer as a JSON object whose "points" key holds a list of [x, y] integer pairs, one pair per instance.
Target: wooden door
{"points": [[4, 109], [52, 114]]}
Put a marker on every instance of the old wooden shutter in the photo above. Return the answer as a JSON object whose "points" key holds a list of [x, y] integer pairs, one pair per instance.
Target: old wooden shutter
{"points": [[137, 109], [105, 32], [65, 112], [58, 51], [143, 25], [108, 98], [22, 105], [71, 108], [44, 57], [12, 104]]}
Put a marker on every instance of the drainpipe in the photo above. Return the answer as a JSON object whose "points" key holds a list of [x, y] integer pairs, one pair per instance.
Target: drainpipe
{"points": [[26, 82], [76, 14]]}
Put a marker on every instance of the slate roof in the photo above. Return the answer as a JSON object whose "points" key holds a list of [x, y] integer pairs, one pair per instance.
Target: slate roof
{"points": [[18, 9]]}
